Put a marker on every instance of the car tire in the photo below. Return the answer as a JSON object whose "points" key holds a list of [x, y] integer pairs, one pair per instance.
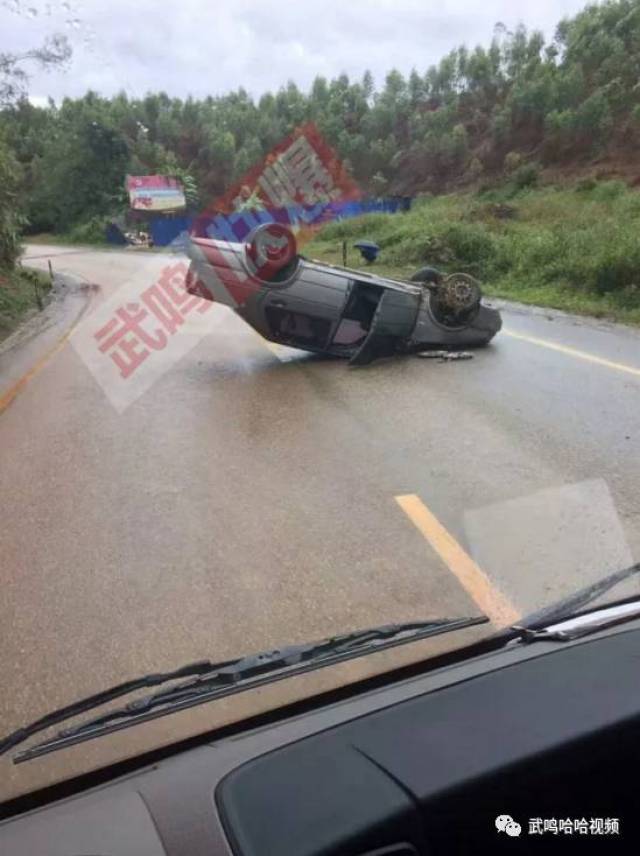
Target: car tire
{"points": [[457, 302], [428, 274]]}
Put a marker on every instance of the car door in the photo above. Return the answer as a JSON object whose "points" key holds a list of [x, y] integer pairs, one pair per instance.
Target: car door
{"points": [[305, 312], [392, 324]]}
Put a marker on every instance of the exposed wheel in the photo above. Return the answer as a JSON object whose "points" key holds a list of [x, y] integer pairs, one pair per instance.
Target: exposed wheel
{"points": [[428, 274], [457, 301]]}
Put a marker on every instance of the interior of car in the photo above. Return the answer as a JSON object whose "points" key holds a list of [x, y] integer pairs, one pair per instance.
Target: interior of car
{"points": [[357, 317], [416, 762]]}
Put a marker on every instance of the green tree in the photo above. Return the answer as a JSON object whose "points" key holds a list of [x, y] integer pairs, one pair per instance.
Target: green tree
{"points": [[514, 94], [11, 218], [82, 169], [593, 117], [368, 85], [14, 75]]}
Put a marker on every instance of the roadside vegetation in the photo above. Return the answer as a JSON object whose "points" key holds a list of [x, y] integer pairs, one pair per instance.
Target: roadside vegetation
{"points": [[570, 105], [21, 291], [491, 130], [575, 248], [90, 233]]}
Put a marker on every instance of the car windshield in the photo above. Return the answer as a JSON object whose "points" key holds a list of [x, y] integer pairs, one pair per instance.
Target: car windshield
{"points": [[314, 318]]}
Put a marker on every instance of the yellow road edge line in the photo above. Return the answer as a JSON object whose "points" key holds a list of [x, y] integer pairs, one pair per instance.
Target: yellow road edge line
{"points": [[574, 352], [492, 602], [7, 397]]}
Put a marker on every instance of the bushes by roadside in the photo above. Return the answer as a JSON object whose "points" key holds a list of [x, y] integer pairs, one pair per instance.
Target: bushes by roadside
{"points": [[11, 219], [574, 248], [19, 288], [91, 232]]}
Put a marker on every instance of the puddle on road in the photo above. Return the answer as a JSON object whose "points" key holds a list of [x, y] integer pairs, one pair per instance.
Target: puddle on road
{"points": [[545, 546]]}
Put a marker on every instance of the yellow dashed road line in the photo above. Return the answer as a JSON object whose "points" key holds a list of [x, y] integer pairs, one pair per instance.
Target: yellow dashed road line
{"points": [[475, 582]]}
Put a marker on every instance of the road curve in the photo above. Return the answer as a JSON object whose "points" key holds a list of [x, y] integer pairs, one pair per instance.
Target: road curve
{"points": [[249, 497]]}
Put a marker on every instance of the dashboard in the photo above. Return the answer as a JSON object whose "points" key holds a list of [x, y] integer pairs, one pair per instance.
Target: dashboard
{"points": [[422, 765]]}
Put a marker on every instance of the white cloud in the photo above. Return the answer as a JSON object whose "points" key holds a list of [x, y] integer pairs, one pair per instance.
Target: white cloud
{"points": [[194, 46]]}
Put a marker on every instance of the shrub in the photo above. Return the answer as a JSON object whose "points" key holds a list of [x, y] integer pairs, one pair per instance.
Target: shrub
{"points": [[354, 227], [512, 161], [586, 185], [91, 232], [11, 219], [18, 295], [607, 191], [475, 169], [422, 200], [471, 245], [593, 116], [578, 247], [525, 176]]}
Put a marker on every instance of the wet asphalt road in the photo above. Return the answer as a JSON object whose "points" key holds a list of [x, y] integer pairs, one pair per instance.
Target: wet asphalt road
{"points": [[246, 500]]}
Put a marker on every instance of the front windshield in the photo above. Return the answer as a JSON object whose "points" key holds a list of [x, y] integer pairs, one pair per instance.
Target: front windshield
{"points": [[313, 318]]}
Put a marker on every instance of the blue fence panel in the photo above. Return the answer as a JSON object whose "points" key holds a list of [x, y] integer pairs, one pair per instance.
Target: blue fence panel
{"points": [[114, 234], [237, 226], [166, 230]]}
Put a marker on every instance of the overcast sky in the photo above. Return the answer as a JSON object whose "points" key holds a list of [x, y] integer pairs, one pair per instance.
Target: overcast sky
{"points": [[203, 47]]}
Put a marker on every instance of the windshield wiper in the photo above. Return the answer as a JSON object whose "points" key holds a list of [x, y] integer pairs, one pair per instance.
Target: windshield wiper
{"points": [[565, 621], [581, 625], [216, 680], [569, 606]]}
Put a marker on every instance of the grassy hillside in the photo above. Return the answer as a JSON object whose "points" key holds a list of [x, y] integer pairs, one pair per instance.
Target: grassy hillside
{"points": [[575, 248]]}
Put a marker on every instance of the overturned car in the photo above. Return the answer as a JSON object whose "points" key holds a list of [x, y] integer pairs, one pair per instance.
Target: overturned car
{"points": [[327, 309]]}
